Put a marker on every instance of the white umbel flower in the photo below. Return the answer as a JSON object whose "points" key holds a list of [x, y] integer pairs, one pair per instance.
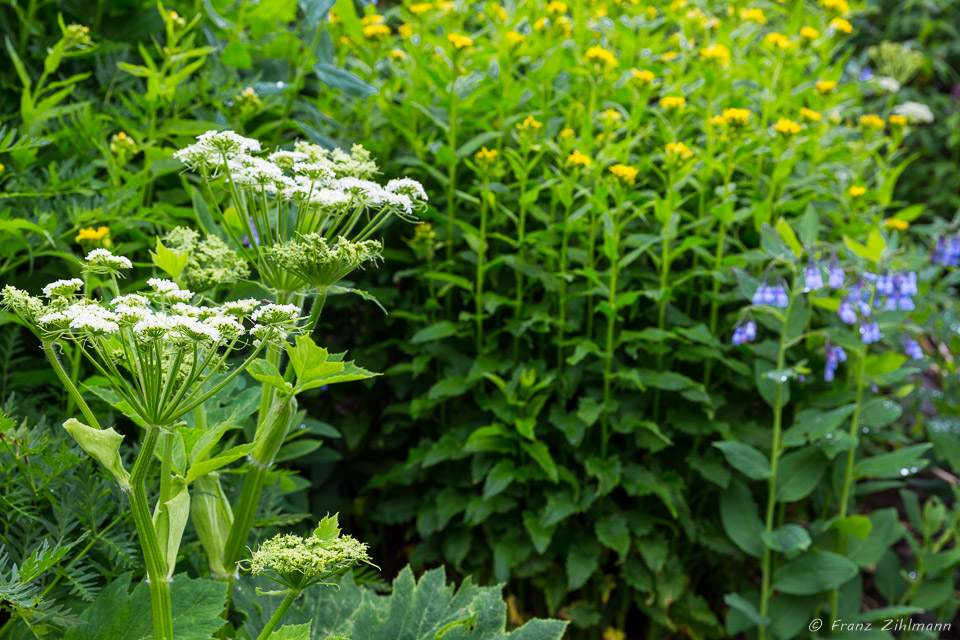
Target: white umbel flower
{"points": [[229, 143], [407, 187], [276, 314], [915, 112], [240, 308], [62, 288], [104, 260]]}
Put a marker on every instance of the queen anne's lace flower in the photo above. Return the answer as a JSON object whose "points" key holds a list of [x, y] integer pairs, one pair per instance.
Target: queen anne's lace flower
{"points": [[276, 314], [408, 187], [320, 264], [103, 261]]}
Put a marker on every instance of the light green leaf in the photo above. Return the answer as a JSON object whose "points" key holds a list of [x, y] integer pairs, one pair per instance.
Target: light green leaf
{"points": [[315, 366], [171, 262], [789, 237], [103, 445], [328, 529], [204, 467], [539, 452], [292, 632]]}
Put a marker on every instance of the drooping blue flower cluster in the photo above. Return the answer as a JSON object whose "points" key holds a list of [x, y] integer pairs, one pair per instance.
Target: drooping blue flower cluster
{"points": [[774, 296], [947, 252], [744, 332], [870, 332], [836, 278], [835, 355], [812, 278], [896, 291], [912, 348]]}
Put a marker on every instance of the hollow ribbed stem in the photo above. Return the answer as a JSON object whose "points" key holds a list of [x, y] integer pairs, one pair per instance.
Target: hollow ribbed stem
{"points": [[278, 615], [156, 568]]}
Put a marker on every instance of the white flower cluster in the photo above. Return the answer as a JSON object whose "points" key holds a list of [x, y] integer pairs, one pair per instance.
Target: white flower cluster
{"points": [[169, 290], [103, 261], [62, 288], [915, 112], [213, 146], [82, 316], [276, 314], [407, 187]]}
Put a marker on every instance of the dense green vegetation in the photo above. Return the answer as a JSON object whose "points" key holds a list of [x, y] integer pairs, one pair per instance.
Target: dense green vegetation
{"points": [[645, 312]]}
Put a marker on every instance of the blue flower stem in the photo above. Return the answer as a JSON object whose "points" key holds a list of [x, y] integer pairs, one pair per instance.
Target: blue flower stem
{"points": [[848, 470], [766, 579]]}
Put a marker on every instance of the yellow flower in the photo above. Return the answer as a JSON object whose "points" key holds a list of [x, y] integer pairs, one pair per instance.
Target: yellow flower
{"points": [[598, 55], [624, 173], [460, 41], [811, 115], [736, 117], [669, 55], [753, 15], [90, 234], [122, 144], [611, 114], [540, 24], [677, 151], [398, 54], [373, 18], [809, 33], [405, 31], [614, 634], [420, 8], [599, 13], [374, 31], [563, 24], [898, 121], [841, 25], [333, 18], [856, 191], [717, 121], [676, 5], [786, 127], [556, 7], [529, 124], [671, 103], [499, 12], [345, 40], [899, 225], [486, 156], [778, 41], [717, 53], [513, 38], [825, 86], [642, 76], [567, 133], [2, 168], [872, 121], [577, 159], [651, 12], [837, 6], [177, 20], [445, 6]]}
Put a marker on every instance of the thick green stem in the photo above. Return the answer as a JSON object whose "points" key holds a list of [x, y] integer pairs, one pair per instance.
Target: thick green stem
{"points": [[153, 557], [714, 304], [278, 615], [662, 309]]}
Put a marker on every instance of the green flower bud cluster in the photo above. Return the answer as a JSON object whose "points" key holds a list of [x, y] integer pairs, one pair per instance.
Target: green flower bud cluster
{"points": [[211, 262], [355, 164], [298, 562], [322, 265]]}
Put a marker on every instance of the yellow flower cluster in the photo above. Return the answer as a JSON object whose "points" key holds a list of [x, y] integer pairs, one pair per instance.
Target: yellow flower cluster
{"points": [[677, 151], [787, 128], [486, 156], [673, 103], [459, 41], [717, 54], [872, 121], [529, 125], [577, 159], [856, 191], [735, 117], [810, 115], [841, 26], [643, 76], [624, 173], [825, 86], [599, 55], [91, 234], [778, 41], [753, 15]]}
